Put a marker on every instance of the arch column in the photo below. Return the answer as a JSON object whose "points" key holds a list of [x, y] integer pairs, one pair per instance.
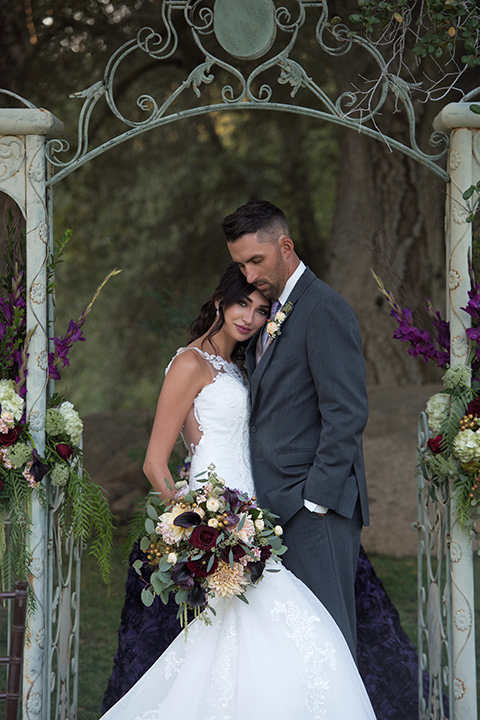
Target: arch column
{"points": [[464, 168], [23, 133]]}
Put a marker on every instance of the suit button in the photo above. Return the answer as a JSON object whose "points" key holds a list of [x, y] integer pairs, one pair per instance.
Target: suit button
{"points": [[253, 429]]}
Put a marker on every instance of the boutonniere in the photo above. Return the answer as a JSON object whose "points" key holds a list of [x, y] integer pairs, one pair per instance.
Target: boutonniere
{"points": [[274, 324]]}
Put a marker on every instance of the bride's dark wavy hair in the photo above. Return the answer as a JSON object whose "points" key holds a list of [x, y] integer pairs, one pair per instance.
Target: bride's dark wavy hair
{"points": [[231, 288]]}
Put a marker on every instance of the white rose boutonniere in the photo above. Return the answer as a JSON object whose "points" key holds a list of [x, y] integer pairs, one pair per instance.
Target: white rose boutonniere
{"points": [[274, 324]]}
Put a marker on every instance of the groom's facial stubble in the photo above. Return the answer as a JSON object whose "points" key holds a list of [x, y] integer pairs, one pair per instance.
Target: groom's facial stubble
{"points": [[267, 265]]}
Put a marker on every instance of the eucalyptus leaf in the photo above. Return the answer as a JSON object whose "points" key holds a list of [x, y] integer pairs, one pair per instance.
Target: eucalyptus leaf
{"points": [[164, 596], [149, 526], [147, 597], [181, 596], [164, 565], [164, 577], [158, 585], [137, 566], [144, 544], [152, 513]]}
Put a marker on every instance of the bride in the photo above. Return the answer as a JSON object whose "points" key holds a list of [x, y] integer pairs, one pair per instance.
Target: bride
{"points": [[281, 655]]}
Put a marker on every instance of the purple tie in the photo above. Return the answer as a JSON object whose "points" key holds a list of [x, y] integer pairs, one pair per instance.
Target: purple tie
{"points": [[275, 308]]}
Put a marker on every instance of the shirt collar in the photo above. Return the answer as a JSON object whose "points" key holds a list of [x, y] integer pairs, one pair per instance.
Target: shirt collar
{"points": [[291, 282]]}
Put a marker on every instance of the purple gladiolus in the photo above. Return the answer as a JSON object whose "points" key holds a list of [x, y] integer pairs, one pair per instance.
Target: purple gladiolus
{"points": [[473, 305]]}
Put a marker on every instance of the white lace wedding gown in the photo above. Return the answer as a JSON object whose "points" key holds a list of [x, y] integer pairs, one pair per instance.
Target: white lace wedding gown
{"points": [[281, 657]]}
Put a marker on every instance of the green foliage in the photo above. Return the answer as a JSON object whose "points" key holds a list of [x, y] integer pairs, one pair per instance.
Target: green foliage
{"points": [[55, 259], [85, 513], [436, 25]]}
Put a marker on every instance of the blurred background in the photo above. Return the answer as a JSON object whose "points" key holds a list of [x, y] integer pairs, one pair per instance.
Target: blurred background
{"points": [[153, 206]]}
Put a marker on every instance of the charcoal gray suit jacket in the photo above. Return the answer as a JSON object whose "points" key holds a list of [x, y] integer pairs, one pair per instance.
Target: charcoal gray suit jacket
{"points": [[309, 407]]}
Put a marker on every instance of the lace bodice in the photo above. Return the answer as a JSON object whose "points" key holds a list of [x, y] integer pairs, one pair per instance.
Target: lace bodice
{"points": [[216, 429]]}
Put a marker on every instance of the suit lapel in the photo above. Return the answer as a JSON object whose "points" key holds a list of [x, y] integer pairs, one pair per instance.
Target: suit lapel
{"points": [[250, 355], [256, 372]]}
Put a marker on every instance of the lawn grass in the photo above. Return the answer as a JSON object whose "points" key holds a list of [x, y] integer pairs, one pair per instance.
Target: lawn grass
{"points": [[100, 617]]}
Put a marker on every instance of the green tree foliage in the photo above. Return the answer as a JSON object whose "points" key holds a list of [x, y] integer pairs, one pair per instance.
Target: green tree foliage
{"points": [[153, 206]]}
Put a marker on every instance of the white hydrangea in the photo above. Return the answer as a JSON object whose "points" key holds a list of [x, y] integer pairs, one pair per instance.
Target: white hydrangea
{"points": [[10, 401], [73, 423], [466, 446], [60, 474], [437, 407], [457, 376]]}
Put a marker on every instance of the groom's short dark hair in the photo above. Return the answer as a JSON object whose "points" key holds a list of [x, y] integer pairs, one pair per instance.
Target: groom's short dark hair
{"points": [[256, 216]]}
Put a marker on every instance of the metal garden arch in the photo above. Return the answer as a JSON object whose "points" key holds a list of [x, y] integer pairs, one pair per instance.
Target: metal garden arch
{"points": [[231, 34]]}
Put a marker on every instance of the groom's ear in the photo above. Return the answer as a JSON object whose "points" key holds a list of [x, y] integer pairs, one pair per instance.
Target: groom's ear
{"points": [[286, 245]]}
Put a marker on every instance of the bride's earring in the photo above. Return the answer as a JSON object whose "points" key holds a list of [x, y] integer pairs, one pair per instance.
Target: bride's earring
{"points": [[217, 313]]}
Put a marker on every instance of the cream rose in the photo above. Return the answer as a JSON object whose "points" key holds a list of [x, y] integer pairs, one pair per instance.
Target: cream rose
{"points": [[212, 504]]}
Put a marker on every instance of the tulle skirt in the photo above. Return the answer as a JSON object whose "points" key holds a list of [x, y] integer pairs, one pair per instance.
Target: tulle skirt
{"points": [[279, 657]]}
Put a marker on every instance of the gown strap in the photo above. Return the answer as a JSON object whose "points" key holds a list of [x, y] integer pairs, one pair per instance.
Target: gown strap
{"points": [[206, 357]]}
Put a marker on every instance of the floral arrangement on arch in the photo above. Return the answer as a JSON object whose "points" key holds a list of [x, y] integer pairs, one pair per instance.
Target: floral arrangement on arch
{"points": [[84, 510], [453, 451], [208, 542]]}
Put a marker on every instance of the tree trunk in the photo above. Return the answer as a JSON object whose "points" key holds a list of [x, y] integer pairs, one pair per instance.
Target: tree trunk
{"points": [[389, 217]]}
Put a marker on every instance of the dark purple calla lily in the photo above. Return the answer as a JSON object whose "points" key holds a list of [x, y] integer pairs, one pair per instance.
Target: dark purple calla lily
{"points": [[256, 570], [183, 576], [38, 469], [187, 519], [231, 496], [231, 519], [197, 596]]}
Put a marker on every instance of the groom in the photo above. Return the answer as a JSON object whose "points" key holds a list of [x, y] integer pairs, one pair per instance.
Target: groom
{"points": [[308, 410]]}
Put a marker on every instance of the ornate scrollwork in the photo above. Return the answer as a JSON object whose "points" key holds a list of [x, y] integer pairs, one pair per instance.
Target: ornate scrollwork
{"points": [[434, 586], [12, 154], [359, 109]]}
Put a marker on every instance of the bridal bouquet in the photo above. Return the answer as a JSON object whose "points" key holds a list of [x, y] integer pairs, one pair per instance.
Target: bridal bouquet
{"points": [[453, 451], [208, 542]]}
